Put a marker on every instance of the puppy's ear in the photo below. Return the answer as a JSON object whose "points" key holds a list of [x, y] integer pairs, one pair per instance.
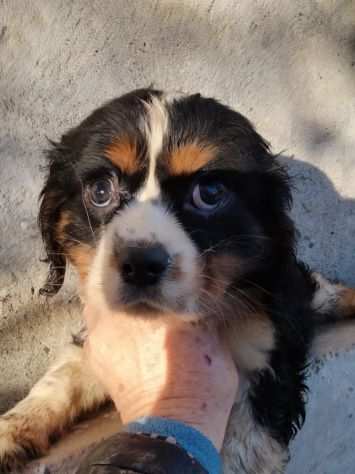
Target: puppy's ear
{"points": [[51, 201]]}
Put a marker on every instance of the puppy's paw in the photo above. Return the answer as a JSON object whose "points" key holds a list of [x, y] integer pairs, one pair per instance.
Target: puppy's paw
{"points": [[20, 442], [333, 302]]}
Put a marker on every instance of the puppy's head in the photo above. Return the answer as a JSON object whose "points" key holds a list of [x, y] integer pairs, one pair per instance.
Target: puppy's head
{"points": [[165, 205]]}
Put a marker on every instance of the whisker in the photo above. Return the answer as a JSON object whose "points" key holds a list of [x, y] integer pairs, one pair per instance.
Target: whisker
{"points": [[252, 236], [209, 305], [83, 201], [247, 302], [57, 253], [241, 238], [246, 307], [215, 246], [76, 241], [259, 287]]}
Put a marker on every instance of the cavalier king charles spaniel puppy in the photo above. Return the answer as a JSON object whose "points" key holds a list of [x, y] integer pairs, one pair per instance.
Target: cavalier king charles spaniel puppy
{"points": [[176, 206]]}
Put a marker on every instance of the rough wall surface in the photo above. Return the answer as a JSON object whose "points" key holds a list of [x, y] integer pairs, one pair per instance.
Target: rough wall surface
{"points": [[289, 66]]}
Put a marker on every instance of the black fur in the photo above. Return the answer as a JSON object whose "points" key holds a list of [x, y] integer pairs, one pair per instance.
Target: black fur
{"points": [[278, 397]]}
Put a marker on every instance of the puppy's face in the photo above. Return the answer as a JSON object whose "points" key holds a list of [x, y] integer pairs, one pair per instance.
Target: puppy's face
{"points": [[165, 206]]}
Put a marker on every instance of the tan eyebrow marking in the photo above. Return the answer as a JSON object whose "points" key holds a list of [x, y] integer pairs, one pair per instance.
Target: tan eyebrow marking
{"points": [[190, 158], [123, 154]]}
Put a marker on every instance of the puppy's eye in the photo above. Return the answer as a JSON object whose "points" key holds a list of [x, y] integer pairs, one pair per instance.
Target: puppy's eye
{"points": [[101, 192], [209, 196]]}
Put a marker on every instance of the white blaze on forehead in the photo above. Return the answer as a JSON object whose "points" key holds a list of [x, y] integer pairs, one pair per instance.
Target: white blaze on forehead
{"points": [[155, 128]]}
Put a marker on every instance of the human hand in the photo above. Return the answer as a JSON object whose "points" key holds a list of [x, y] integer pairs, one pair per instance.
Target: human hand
{"points": [[163, 367]]}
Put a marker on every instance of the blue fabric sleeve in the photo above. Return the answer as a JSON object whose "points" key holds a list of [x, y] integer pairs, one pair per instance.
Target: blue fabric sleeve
{"points": [[190, 439]]}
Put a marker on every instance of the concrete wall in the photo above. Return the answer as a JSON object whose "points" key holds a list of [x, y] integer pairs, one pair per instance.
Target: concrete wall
{"points": [[288, 65]]}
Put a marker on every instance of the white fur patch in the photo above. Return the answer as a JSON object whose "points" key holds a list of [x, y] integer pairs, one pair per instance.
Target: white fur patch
{"points": [[326, 296], [155, 128], [247, 447], [152, 224]]}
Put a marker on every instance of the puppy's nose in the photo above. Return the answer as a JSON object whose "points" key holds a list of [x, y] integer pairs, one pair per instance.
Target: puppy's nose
{"points": [[143, 266]]}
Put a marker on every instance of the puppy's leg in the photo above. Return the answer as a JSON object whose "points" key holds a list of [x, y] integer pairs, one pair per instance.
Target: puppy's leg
{"points": [[334, 306], [333, 302], [66, 390]]}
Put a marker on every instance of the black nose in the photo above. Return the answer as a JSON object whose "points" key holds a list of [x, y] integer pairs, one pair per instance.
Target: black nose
{"points": [[143, 266]]}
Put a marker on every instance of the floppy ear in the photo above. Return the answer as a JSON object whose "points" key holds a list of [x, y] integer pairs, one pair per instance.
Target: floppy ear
{"points": [[47, 218], [51, 201]]}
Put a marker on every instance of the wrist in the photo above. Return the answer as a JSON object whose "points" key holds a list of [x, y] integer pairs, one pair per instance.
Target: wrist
{"points": [[192, 440], [204, 416]]}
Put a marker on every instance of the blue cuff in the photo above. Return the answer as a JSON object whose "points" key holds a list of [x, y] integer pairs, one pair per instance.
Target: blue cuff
{"points": [[190, 439]]}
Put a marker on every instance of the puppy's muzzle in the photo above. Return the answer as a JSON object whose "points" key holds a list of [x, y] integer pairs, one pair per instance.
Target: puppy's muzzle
{"points": [[144, 266]]}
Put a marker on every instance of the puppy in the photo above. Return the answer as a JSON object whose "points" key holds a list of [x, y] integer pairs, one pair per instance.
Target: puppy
{"points": [[177, 206]]}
